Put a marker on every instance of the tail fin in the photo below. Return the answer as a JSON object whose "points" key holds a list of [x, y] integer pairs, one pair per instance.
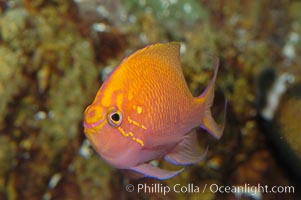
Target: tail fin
{"points": [[207, 97]]}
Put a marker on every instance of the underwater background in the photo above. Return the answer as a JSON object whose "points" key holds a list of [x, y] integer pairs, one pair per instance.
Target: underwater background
{"points": [[55, 54]]}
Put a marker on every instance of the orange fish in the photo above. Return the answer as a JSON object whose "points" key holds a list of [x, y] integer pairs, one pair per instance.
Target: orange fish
{"points": [[145, 111]]}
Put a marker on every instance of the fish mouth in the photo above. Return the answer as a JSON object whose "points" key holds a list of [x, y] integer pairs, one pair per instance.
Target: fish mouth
{"points": [[92, 125], [98, 140], [103, 144], [93, 133], [90, 133]]}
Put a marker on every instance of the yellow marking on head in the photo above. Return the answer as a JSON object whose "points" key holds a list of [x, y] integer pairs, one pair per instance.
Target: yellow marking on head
{"points": [[100, 126], [139, 141], [105, 102], [133, 122], [119, 100], [130, 96], [136, 123], [93, 114], [96, 129], [106, 99], [139, 109], [94, 119], [130, 134], [124, 133]]}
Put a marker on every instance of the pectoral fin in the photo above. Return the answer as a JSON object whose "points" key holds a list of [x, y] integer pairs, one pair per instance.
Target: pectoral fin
{"points": [[151, 171], [186, 152]]}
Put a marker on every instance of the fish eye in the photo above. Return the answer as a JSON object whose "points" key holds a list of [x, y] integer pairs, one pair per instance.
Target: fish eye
{"points": [[115, 118]]}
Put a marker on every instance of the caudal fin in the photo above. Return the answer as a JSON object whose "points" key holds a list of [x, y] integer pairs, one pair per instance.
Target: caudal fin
{"points": [[207, 97]]}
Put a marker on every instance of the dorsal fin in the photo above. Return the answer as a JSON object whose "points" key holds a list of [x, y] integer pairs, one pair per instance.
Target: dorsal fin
{"points": [[167, 52]]}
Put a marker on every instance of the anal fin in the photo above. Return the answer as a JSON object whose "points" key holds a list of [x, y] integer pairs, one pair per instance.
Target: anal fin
{"points": [[186, 152], [151, 171]]}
